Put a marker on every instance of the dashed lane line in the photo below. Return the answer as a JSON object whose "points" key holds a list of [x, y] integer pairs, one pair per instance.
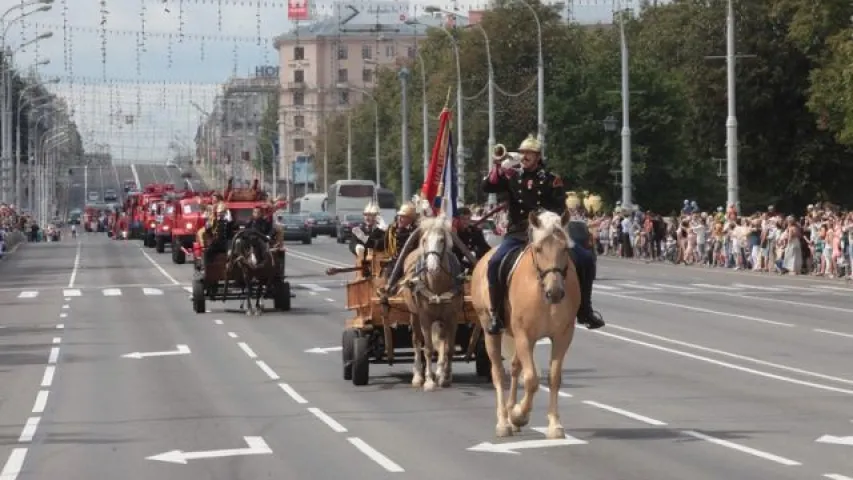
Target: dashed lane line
{"points": [[247, 350], [331, 422], [29, 430], [47, 379], [292, 393], [266, 369], [41, 401], [374, 455]]}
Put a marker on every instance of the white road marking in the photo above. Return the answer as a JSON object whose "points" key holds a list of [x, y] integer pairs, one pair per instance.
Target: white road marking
{"points": [[66, 307], [830, 332], [112, 292], [606, 287], [717, 287], [54, 355], [66, 299], [734, 355], [60, 326], [63, 315], [742, 448], [839, 289], [835, 476], [189, 289], [560, 393], [232, 335], [57, 340], [757, 287], [374, 455], [732, 366], [292, 393], [76, 266], [640, 287], [626, 413], [328, 299], [152, 291], [312, 293], [14, 464], [314, 287], [331, 422], [47, 379], [72, 293], [317, 260], [159, 268], [29, 430], [247, 349], [218, 321], [41, 401], [677, 287], [699, 309], [266, 368], [28, 294]]}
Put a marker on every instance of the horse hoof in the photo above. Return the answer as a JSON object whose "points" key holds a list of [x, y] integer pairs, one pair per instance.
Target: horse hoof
{"points": [[444, 382], [429, 385], [417, 381], [556, 433], [518, 417], [516, 428], [502, 431]]}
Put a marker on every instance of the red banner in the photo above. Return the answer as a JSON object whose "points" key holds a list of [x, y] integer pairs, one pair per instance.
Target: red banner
{"points": [[436, 164], [297, 9]]}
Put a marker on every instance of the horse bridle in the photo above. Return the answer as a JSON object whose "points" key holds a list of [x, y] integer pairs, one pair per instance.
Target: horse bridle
{"points": [[562, 272]]}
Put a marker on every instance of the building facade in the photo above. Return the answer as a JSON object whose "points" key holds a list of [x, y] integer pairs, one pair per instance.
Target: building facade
{"points": [[330, 65]]}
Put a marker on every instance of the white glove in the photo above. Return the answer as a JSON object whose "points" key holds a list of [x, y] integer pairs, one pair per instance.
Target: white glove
{"points": [[381, 223], [359, 234], [359, 250]]}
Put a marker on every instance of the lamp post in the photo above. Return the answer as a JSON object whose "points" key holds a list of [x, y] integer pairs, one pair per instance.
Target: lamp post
{"points": [[424, 112], [404, 75], [731, 119], [626, 129], [540, 66], [22, 100], [491, 145], [460, 149]]}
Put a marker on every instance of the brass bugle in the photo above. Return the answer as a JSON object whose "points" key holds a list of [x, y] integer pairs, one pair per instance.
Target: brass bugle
{"points": [[499, 152]]}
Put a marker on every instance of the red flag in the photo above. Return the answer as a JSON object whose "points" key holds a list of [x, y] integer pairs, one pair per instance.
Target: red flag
{"points": [[436, 164]]}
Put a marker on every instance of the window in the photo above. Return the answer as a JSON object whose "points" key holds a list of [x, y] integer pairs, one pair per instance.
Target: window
{"points": [[299, 121], [386, 198], [299, 98], [299, 76], [343, 97], [355, 191], [343, 52], [190, 208], [299, 144], [343, 75], [412, 52], [367, 75], [299, 53], [366, 51], [390, 51]]}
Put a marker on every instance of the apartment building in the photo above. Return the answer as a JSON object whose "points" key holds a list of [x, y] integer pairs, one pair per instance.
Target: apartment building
{"points": [[327, 66]]}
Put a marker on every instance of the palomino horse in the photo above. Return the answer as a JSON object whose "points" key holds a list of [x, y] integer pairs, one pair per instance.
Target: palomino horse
{"points": [[542, 301], [250, 254], [435, 298]]}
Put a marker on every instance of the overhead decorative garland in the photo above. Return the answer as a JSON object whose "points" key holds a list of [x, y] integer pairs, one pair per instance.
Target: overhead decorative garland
{"points": [[132, 33], [104, 37], [180, 21], [131, 81], [142, 12], [65, 59]]}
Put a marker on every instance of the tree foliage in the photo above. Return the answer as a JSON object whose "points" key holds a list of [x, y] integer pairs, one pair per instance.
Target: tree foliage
{"points": [[793, 90]]}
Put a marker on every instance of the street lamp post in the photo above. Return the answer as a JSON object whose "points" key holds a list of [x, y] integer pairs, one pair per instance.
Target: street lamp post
{"points": [[626, 129], [424, 113], [404, 75], [540, 66], [731, 119]]}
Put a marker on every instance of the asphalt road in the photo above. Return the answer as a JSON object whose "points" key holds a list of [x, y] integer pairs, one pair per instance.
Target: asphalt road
{"points": [[700, 374]]}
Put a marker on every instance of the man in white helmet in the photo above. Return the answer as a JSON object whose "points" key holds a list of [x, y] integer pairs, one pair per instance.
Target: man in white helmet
{"points": [[370, 235]]}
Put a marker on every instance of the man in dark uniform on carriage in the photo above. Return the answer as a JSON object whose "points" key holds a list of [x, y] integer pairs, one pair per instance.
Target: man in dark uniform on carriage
{"points": [[370, 236], [395, 239], [259, 223], [472, 236], [528, 190], [221, 227]]}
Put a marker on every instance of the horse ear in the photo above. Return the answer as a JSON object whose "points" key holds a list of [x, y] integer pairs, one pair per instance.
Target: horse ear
{"points": [[565, 218], [533, 219]]}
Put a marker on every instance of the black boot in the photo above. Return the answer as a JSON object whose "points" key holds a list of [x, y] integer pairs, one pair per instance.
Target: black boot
{"points": [[586, 315], [496, 320]]}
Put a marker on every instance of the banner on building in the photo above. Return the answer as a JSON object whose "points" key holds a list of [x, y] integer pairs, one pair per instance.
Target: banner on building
{"points": [[303, 170], [297, 10]]}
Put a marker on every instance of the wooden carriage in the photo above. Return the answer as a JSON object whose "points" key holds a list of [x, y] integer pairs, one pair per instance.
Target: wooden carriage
{"points": [[376, 331], [209, 278]]}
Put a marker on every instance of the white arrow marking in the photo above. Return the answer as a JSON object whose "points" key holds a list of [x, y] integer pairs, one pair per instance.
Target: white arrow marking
{"points": [[112, 292], [511, 447], [314, 287], [256, 446], [835, 440], [152, 291], [28, 294], [323, 350], [72, 293], [182, 350]]}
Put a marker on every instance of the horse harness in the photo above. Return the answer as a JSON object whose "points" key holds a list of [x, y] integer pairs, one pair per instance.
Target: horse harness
{"points": [[418, 285]]}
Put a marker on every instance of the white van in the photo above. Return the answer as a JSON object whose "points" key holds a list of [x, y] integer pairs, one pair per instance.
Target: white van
{"points": [[310, 203]]}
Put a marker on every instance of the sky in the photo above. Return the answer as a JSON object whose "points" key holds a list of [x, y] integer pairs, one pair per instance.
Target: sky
{"points": [[137, 103]]}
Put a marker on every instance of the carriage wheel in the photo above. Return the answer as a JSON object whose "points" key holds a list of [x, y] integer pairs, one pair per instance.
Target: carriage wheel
{"points": [[178, 255], [347, 345], [361, 361], [281, 297], [198, 296]]}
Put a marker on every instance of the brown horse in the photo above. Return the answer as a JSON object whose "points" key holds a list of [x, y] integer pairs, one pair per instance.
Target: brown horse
{"points": [[433, 296], [542, 301]]}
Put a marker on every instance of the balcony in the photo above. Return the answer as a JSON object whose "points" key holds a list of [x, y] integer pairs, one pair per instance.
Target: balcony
{"points": [[296, 86]]}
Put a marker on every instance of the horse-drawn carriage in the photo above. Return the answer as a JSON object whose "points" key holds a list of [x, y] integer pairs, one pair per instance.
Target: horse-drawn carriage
{"points": [[379, 331], [261, 272]]}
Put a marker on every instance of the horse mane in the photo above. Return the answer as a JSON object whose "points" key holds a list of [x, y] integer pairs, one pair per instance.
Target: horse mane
{"points": [[434, 223], [550, 224]]}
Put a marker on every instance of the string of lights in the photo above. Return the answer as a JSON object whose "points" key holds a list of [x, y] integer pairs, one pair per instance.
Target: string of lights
{"points": [[149, 34]]}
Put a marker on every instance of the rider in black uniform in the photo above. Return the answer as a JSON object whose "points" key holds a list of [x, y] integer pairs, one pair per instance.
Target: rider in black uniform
{"points": [[259, 223], [531, 189], [472, 236], [220, 227]]}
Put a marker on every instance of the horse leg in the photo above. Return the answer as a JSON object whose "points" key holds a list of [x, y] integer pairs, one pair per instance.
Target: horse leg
{"points": [[520, 414], [418, 347], [493, 349], [559, 347], [429, 349], [514, 372], [445, 356]]}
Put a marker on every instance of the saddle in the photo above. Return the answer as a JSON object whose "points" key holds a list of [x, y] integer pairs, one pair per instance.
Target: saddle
{"points": [[509, 263]]}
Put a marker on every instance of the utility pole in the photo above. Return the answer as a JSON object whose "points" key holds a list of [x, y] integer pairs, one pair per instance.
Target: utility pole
{"points": [[404, 137]]}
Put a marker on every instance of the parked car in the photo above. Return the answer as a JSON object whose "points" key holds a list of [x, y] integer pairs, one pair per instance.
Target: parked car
{"points": [[93, 196], [322, 224], [346, 224], [295, 227], [110, 195]]}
